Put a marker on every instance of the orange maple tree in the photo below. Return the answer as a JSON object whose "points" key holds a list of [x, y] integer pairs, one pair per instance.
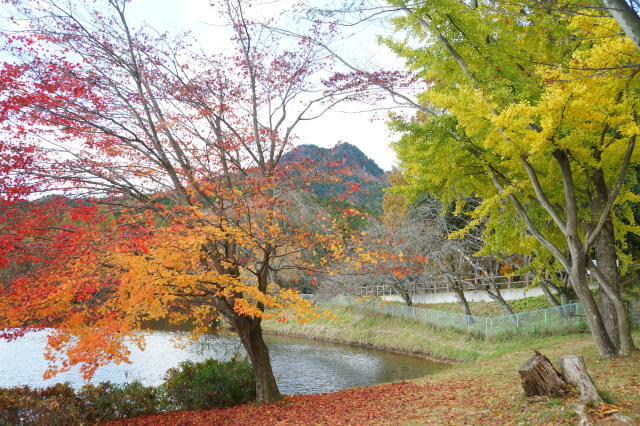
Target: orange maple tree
{"points": [[142, 179]]}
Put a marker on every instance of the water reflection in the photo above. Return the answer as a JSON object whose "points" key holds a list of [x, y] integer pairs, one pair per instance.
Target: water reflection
{"points": [[22, 361], [301, 366]]}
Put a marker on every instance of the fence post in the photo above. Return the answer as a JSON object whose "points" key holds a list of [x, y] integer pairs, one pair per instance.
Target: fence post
{"points": [[486, 327], [633, 315], [545, 316]]}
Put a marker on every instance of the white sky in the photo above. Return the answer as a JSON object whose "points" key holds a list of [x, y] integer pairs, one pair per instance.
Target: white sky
{"points": [[361, 129]]}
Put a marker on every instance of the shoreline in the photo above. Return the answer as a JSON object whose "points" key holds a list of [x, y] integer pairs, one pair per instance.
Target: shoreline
{"points": [[379, 332], [417, 354]]}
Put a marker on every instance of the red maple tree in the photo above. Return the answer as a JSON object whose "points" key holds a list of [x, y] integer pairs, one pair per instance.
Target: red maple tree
{"points": [[141, 178]]}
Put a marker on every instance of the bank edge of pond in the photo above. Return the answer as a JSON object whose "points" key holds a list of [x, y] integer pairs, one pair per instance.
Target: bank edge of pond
{"points": [[364, 345], [372, 331], [400, 335], [367, 331]]}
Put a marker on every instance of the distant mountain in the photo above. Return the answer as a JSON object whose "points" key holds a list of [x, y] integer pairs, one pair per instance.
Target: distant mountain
{"points": [[364, 171]]}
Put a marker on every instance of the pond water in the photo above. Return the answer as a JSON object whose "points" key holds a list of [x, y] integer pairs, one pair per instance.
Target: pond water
{"points": [[301, 366]]}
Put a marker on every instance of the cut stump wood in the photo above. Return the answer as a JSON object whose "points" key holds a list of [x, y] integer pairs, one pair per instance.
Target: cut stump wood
{"points": [[575, 373], [539, 377]]}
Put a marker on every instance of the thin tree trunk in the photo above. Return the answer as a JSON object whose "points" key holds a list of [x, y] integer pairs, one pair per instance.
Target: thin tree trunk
{"points": [[505, 307], [503, 303], [403, 291], [552, 300], [463, 301], [250, 333]]}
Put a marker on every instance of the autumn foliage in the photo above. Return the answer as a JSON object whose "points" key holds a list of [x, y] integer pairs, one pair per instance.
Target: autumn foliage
{"points": [[141, 179]]}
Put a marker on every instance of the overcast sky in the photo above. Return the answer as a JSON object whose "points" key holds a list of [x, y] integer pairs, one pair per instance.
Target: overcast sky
{"points": [[364, 130]]}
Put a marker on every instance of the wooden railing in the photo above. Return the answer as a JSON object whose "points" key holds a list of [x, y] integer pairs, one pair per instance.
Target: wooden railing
{"points": [[440, 285]]}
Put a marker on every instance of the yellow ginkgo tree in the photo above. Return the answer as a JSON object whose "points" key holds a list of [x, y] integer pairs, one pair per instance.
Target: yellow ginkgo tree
{"points": [[536, 113]]}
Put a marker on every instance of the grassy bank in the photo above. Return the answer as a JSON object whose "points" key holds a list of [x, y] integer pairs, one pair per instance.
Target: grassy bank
{"points": [[491, 309], [364, 328]]}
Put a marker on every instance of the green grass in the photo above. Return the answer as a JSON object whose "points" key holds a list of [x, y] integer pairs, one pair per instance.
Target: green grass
{"points": [[491, 309], [369, 329]]}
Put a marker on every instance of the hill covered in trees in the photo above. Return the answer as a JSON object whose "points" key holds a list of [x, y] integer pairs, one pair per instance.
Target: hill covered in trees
{"points": [[363, 171]]}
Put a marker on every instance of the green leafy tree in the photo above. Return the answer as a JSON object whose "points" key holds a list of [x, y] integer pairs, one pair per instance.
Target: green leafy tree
{"points": [[535, 111]]}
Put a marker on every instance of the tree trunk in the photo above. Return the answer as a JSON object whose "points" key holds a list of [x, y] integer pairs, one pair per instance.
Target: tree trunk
{"points": [[596, 325], [539, 377], [503, 303], [575, 373], [250, 333], [463, 302], [403, 291], [563, 292], [613, 311], [605, 254], [497, 297], [552, 300]]}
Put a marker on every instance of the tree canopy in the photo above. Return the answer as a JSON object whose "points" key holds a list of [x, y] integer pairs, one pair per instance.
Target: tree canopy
{"points": [[141, 178], [535, 107]]}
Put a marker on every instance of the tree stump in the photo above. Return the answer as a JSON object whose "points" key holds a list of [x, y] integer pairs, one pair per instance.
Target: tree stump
{"points": [[539, 377], [575, 373]]}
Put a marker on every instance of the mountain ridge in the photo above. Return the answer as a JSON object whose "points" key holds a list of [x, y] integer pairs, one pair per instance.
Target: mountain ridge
{"points": [[370, 177]]}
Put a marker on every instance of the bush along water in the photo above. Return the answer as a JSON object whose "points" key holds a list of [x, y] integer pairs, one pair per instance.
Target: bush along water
{"points": [[198, 386], [190, 386]]}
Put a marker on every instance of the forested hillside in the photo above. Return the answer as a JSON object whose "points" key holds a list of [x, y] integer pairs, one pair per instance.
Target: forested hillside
{"points": [[359, 169]]}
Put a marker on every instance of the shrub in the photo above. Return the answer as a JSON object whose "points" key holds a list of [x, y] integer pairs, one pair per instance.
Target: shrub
{"points": [[53, 406], [630, 283], [209, 384], [108, 401], [191, 386]]}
